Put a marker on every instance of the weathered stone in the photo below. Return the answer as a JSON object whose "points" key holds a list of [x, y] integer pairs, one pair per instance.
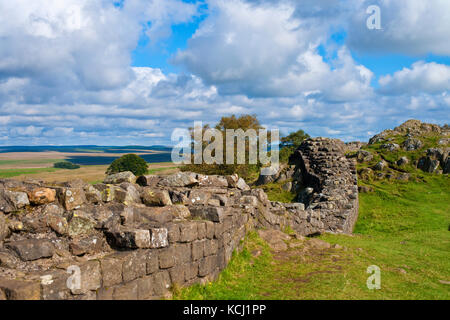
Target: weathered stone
{"points": [[276, 239], [178, 197], [129, 238], [145, 288], [380, 166], [197, 249], [152, 261], [428, 165], [162, 283], [214, 214], [4, 230], [249, 201], [206, 265], [211, 247], [390, 146], [402, 161], [127, 291], [120, 177], [167, 258], [127, 194], [134, 265], [92, 194], [242, 185], [182, 253], [160, 215], [177, 275], [190, 270], [173, 232], [212, 181], [209, 229], [32, 249], [8, 260], [57, 223], [111, 270], [232, 180], [20, 290], [364, 156], [107, 192], [54, 285], [159, 238], [38, 196], [91, 244], [180, 179], [11, 201], [199, 197], [318, 244], [201, 230], [188, 232], [80, 223], [153, 197], [412, 144], [71, 198], [446, 166], [148, 181]]}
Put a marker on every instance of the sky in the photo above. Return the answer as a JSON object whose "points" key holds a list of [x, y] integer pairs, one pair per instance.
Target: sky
{"points": [[129, 72]]}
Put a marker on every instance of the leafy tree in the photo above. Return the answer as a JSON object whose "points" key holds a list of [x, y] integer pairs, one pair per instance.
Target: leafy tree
{"points": [[247, 171], [290, 143], [128, 162], [66, 165]]}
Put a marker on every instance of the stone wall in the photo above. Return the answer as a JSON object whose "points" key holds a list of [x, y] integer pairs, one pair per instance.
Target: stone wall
{"points": [[329, 181], [131, 238]]}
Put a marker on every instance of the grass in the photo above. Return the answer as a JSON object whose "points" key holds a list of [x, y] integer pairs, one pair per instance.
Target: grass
{"points": [[275, 192], [28, 161], [403, 228], [9, 173]]}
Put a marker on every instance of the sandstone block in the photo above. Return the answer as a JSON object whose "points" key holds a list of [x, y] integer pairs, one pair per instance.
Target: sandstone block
{"points": [[32, 249]]}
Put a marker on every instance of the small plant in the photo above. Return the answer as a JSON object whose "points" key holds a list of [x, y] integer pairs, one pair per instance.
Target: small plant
{"points": [[66, 165], [128, 162]]}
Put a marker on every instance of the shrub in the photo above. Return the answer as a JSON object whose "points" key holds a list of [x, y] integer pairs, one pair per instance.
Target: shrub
{"points": [[128, 162], [66, 165]]}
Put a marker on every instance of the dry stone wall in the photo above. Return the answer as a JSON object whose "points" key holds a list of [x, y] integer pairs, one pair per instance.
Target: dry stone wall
{"points": [[329, 181], [135, 238]]}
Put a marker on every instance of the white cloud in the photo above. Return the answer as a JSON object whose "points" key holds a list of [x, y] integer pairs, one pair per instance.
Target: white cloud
{"points": [[422, 77], [264, 49], [413, 27], [80, 43]]}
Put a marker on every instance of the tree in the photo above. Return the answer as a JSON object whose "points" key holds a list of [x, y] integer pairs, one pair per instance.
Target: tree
{"points": [[246, 171], [128, 162], [66, 165], [290, 143]]}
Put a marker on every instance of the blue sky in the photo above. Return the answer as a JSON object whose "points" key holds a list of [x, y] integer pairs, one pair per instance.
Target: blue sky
{"points": [[127, 72]]}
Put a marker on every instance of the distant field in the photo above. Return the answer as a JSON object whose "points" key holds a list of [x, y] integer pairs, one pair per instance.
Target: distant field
{"points": [[89, 174]]}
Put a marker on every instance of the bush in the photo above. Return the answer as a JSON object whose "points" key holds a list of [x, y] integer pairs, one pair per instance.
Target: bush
{"points": [[128, 162], [66, 165]]}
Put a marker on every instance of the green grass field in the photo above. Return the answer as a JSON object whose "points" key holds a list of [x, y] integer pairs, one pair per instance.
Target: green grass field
{"points": [[9, 173], [403, 228]]}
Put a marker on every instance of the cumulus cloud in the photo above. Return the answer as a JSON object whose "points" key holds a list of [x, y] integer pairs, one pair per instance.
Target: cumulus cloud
{"points": [[65, 74], [267, 48], [422, 77], [413, 27], [80, 43]]}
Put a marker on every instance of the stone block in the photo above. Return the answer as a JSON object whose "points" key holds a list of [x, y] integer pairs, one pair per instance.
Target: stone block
{"points": [[32, 249], [188, 232], [20, 289]]}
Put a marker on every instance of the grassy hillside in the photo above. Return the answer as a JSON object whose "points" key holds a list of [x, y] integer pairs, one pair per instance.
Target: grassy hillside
{"points": [[403, 228]]}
